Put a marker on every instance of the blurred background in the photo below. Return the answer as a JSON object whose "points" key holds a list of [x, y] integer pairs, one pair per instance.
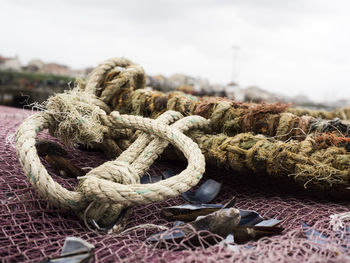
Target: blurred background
{"points": [[249, 50]]}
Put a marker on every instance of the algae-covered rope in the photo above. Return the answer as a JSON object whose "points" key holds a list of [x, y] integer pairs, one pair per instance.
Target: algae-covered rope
{"points": [[308, 162], [322, 168], [313, 166], [341, 113], [226, 116]]}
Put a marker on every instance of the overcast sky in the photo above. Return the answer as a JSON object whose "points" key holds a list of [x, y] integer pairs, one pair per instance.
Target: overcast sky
{"points": [[291, 46]]}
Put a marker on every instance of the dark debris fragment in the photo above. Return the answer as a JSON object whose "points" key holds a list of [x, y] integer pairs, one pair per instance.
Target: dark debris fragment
{"points": [[53, 154], [204, 194], [222, 220], [46, 147]]}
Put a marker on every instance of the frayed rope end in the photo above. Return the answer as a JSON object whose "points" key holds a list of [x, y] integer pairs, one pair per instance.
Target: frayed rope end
{"points": [[78, 119]]}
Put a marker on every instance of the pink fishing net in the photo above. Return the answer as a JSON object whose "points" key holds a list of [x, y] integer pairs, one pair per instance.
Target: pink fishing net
{"points": [[33, 231]]}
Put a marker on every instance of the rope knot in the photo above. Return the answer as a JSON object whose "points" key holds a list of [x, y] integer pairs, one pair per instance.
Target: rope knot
{"points": [[82, 116], [106, 191]]}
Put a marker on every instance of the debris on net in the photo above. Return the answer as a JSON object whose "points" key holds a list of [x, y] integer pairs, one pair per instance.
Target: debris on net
{"points": [[221, 220], [204, 194], [75, 250], [53, 154], [147, 178], [189, 212], [320, 240], [46, 147]]}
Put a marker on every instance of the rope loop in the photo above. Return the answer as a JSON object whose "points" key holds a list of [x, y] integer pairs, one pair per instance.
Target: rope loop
{"points": [[104, 192]]}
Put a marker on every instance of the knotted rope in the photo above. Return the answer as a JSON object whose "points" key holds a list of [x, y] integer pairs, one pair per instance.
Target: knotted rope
{"points": [[87, 115], [235, 140], [77, 117]]}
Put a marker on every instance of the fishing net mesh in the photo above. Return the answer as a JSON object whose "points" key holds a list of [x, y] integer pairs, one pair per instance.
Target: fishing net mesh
{"points": [[33, 231]]}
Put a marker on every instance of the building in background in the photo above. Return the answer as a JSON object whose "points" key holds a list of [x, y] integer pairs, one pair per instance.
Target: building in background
{"points": [[10, 64], [38, 66]]}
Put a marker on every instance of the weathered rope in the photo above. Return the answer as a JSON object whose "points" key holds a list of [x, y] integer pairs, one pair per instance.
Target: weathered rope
{"points": [[322, 168], [341, 113], [95, 186], [87, 115], [123, 90], [114, 185], [225, 115], [232, 141]]}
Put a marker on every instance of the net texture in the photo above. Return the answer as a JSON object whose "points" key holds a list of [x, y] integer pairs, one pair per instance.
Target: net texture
{"points": [[32, 231]]}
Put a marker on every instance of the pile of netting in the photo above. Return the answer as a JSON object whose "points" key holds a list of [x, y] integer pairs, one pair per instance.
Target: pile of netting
{"points": [[265, 155]]}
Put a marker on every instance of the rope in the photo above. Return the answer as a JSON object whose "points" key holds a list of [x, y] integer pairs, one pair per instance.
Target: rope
{"points": [[226, 116], [232, 141], [341, 113], [113, 186], [95, 114]]}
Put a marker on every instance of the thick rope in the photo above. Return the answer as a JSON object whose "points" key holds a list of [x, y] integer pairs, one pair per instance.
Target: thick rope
{"points": [[341, 113], [77, 117], [123, 80], [87, 115], [94, 185], [226, 116], [307, 160]]}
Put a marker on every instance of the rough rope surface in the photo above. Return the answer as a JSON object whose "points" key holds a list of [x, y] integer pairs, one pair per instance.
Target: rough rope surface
{"points": [[226, 116], [232, 141], [341, 113], [32, 231], [308, 162], [86, 115], [114, 185]]}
